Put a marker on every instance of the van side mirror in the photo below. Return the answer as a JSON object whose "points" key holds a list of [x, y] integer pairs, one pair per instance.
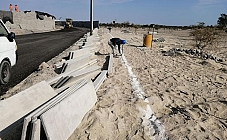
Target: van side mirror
{"points": [[11, 36]]}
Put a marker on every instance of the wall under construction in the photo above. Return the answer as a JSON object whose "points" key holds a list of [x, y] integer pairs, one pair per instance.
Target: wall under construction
{"points": [[29, 20]]}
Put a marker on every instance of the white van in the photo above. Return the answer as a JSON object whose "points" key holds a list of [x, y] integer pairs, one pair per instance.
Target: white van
{"points": [[8, 53]]}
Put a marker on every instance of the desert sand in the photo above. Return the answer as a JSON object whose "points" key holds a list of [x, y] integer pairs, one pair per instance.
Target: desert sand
{"points": [[187, 94], [152, 94]]}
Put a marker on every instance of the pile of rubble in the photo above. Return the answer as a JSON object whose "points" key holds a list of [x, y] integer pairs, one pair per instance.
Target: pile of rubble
{"points": [[193, 52], [159, 40]]}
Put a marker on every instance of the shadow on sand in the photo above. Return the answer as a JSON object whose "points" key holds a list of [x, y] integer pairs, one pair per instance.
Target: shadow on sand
{"points": [[136, 46], [98, 53]]}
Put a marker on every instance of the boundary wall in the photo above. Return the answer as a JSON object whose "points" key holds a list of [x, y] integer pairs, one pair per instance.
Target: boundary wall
{"points": [[28, 20]]}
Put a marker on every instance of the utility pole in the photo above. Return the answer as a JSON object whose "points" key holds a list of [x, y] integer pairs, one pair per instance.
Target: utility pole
{"points": [[91, 17]]}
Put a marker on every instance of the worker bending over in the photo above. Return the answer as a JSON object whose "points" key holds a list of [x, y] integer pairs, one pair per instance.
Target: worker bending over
{"points": [[116, 42]]}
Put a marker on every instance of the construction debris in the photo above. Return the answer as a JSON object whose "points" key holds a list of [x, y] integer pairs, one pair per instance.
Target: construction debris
{"points": [[193, 52]]}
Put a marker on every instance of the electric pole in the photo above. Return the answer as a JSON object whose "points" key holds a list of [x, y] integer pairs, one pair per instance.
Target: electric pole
{"points": [[91, 17]]}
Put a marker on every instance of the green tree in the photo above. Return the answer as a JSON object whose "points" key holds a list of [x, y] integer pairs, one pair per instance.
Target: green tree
{"points": [[222, 21]]}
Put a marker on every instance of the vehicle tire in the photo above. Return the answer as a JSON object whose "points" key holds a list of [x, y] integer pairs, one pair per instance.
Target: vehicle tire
{"points": [[5, 69]]}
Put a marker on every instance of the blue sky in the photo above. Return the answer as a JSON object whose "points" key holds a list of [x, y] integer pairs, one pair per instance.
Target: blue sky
{"points": [[167, 12]]}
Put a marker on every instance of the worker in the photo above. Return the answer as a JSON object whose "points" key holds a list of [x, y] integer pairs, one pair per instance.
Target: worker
{"points": [[10, 7], [16, 8], [109, 28], [117, 42]]}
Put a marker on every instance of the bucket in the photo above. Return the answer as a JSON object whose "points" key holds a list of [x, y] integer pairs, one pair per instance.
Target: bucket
{"points": [[147, 40]]}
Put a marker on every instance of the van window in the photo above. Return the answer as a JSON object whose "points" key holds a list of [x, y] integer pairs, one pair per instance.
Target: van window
{"points": [[3, 31]]}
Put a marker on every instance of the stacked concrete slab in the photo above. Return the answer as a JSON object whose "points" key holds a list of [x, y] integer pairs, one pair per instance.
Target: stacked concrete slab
{"points": [[69, 113], [53, 109], [30, 20], [31, 125], [79, 63], [84, 68], [18, 106]]}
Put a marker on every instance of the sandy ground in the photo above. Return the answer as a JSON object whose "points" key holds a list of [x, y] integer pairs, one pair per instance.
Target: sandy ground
{"points": [[152, 96], [187, 94]]}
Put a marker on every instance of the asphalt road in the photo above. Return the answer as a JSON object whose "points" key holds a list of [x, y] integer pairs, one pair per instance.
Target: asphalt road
{"points": [[33, 49]]}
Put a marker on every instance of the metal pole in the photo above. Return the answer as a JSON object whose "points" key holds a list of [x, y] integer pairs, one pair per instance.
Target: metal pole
{"points": [[91, 17], [153, 33]]}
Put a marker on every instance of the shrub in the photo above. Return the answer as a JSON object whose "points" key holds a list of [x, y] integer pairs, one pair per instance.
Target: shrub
{"points": [[205, 37]]}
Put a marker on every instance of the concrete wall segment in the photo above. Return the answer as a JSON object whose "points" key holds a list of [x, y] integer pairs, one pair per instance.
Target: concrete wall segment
{"points": [[29, 21], [69, 113], [19, 105]]}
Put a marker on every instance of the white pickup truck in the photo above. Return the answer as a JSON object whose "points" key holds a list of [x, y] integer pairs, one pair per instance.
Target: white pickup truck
{"points": [[8, 53]]}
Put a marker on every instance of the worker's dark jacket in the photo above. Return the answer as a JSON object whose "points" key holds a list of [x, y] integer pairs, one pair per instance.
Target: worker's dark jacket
{"points": [[116, 41]]}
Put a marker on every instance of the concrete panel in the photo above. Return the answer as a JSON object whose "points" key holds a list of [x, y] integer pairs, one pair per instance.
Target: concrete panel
{"points": [[19, 105], [76, 73], [84, 71], [56, 78], [74, 64], [99, 80], [82, 52], [110, 65], [60, 97], [36, 130], [90, 45], [84, 56], [62, 82], [74, 80], [34, 115], [60, 121]]}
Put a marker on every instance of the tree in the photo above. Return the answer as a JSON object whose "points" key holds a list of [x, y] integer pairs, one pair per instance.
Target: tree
{"points": [[222, 21], [126, 24], [201, 24]]}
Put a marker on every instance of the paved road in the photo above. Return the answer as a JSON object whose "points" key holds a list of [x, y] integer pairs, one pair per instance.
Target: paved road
{"points": [[34, 49]]}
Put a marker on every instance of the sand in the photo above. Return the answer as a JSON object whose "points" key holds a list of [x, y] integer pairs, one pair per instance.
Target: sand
{"points": [[187, 94], [150, 95]]}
